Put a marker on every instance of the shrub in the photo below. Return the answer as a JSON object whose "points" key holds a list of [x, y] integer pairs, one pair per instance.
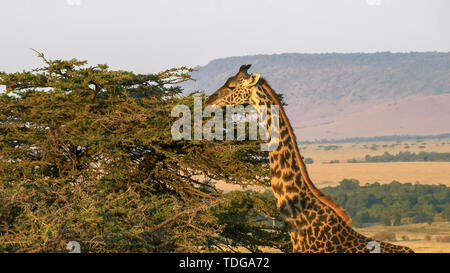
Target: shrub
{"points": [[309, 160], [385, 236], [393, 203], [330, 147], [443, 239]]}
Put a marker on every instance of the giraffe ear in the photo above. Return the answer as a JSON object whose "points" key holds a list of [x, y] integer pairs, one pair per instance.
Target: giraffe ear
{"points": [[254, 78], [244, 67]]}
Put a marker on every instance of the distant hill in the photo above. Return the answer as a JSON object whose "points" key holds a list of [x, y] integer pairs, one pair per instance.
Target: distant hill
{"points": [[350, 95]]}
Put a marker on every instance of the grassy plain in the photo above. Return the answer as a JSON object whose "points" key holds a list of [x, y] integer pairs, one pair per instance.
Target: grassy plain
{"points": [[422, 238], [325, 174]]}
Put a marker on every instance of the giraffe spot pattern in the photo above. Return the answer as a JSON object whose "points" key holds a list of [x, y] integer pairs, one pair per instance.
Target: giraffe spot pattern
{"points": [[312, 225]]}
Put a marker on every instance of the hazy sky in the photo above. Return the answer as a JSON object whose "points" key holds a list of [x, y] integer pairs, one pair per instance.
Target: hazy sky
{"points": [[149, 36]]}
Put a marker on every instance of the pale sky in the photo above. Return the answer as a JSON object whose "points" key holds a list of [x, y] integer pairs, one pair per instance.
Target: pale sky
{"points": [[149, 36]]}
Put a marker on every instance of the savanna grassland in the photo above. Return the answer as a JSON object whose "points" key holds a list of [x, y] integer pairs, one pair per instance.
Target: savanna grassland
{"points": [[331, 162], [421, 237], [323, 173], [85, 155]]}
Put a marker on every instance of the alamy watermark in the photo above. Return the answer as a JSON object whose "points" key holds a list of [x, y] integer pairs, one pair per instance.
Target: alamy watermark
{"points": [[235, 116], [74, 247], [373, 247]]}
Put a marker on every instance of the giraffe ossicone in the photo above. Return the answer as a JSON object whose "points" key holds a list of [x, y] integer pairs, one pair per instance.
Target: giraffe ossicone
{"points": [[315, 222]]}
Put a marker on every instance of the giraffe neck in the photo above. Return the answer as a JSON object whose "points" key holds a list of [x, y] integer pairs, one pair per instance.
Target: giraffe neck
{"points": [[290, 181], [315, 223]]}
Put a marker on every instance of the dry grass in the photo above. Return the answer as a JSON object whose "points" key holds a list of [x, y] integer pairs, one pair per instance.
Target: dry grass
{"points": [[416, 234], [422, 238], [412, 235], [349, 151], [425, 172], [384, 172], [330, 174]]}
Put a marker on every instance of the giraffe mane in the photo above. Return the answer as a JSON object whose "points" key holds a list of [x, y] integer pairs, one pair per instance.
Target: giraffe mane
{"points": [[317, 193]]}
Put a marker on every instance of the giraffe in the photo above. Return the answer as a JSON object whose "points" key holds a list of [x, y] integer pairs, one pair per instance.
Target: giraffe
{"points": [[315, 222]]}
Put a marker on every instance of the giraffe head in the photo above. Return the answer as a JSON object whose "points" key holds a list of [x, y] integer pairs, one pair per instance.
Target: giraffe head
{"points": [[239, 89]]}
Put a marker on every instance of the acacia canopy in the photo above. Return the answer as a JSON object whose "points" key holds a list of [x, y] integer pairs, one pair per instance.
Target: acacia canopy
{"points": [[86, 155]]}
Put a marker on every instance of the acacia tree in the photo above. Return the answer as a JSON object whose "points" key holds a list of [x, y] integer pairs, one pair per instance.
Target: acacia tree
{"points": [[86, 154]]}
